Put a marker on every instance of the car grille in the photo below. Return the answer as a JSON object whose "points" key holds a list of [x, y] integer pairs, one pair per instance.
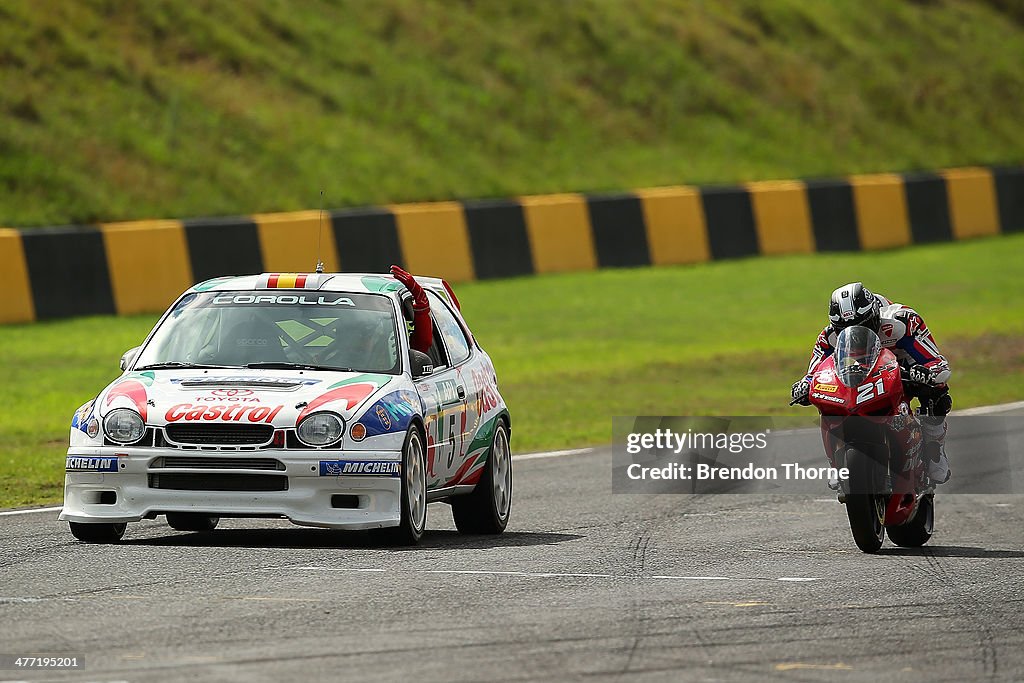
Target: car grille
{"points": [[220, 434], [245, 384], [219, 482], [184, 462]]}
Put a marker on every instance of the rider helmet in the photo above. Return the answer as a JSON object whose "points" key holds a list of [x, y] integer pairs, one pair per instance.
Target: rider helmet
{"points": [[854, 304]]}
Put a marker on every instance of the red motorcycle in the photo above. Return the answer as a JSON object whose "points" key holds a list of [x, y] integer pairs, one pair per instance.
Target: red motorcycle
{"points": [[868, 427]]}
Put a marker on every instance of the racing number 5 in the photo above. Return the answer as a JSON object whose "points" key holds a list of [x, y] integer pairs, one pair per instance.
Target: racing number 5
{"points": [[866, 392], [451, 439]]}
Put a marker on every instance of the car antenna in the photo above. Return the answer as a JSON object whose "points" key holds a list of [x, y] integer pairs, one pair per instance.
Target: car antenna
{"points": [[319, 235]]}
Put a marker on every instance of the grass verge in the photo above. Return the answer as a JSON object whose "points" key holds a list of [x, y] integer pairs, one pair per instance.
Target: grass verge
{"points": [[573, 350], [161, 109]]}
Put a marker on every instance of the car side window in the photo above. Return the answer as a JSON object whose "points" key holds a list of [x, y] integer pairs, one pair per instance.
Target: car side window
{"points": [[436, 351], [449, 329]]}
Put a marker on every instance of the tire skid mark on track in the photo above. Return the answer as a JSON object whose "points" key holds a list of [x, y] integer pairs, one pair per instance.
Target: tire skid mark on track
{"points": [[639, 617], [640, 545], [970, 605], [639, 620], [91, 592], [14, 558]]}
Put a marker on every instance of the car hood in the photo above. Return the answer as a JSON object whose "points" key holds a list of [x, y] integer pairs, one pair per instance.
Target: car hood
{"points": [[280, 398]]}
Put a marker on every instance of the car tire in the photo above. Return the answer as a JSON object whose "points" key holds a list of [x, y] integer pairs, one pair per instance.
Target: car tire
{"points": [[103, 532], [487, 509], [190, 521], [413, 501]]}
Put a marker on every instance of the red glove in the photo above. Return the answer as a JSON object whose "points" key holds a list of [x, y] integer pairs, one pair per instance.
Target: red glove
{"points": [[422, 329]]}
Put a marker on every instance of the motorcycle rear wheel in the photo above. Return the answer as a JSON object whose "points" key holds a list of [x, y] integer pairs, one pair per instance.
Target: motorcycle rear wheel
{"points": [[917, 531], [865, 510]]}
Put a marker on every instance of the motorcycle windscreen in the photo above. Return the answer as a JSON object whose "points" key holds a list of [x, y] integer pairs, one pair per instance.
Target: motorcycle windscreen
{"points": [[857, 349]]}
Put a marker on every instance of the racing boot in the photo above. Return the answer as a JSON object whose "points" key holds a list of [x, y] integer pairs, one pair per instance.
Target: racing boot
{"points": [[937, 463], [934, 428], [833, 483]]}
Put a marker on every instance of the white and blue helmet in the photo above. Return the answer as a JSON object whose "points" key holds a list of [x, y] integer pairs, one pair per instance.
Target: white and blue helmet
{"points": [[854, 304]]}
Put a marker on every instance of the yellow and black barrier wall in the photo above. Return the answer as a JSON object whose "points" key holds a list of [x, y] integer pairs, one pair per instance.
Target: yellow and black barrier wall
{"points": [[140, 267]]}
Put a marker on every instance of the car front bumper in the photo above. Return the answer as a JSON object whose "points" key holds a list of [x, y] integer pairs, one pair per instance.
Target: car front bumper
{"points": [[305, 487]]}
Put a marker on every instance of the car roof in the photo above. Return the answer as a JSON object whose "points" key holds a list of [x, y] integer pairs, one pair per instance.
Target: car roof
{"points": [[322, 282]]}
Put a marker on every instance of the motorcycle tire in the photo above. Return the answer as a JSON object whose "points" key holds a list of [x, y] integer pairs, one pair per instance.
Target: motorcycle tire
{"points": [[865, 510], [918, 530]]}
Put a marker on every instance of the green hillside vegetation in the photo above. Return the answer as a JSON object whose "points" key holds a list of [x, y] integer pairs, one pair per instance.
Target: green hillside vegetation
{"points": [[112, 111]]}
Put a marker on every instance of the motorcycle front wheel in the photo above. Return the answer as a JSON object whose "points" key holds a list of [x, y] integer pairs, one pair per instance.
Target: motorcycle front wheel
{"points": [[865, 509]]}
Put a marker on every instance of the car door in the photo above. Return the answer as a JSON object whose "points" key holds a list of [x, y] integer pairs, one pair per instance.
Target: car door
{"points": [[436, 390], [457, 393]]}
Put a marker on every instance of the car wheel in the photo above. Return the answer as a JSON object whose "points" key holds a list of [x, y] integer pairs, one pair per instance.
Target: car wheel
{"points": [[414, 492], [486, 510], [190, 521], [104, 532]]}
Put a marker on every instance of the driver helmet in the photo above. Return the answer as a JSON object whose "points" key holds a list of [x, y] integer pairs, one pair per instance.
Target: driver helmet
{"points": [[359, 336], [854, 304]]}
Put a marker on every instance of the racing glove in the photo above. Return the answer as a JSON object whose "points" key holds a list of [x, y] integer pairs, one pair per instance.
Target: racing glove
{"points": [[422, 334], [921, 375], [800, 392]]}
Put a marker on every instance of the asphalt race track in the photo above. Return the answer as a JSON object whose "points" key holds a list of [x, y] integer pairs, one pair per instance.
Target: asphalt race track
{"points": [[585, 585]]}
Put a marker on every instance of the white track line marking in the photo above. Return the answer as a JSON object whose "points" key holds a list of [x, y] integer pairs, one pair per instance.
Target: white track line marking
{"points": [[559, 575], [335, 569], [553, 454], [698, 578], [986, 410], [537, 575], [30, 511]]}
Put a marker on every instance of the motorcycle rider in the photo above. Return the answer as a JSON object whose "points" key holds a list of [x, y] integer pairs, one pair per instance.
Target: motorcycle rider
{"points": [[902, 330]]}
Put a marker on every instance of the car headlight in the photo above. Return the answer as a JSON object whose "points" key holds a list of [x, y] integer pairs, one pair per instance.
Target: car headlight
{"points": [[320, 429], [123, 426]]}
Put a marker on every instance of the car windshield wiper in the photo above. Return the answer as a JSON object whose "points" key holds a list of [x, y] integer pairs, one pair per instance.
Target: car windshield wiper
{"points": [[179, 364], [281, 365]]}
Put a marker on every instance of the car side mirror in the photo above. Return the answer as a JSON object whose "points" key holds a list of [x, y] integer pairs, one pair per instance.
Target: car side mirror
{"points": [[128, 357], [420, 364]]}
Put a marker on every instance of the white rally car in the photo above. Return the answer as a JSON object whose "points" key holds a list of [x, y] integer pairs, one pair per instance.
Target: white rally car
{"points": [[296, 396]]}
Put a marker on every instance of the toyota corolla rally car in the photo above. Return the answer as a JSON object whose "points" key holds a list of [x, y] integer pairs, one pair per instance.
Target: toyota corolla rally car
{"points": [[297, 396]]}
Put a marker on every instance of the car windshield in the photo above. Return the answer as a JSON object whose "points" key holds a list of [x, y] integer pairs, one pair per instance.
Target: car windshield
{"points": [[277, 329], [857, 349]]}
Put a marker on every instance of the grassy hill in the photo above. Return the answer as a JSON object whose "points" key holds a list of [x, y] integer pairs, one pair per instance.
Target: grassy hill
{"points": [[114, 110]]}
